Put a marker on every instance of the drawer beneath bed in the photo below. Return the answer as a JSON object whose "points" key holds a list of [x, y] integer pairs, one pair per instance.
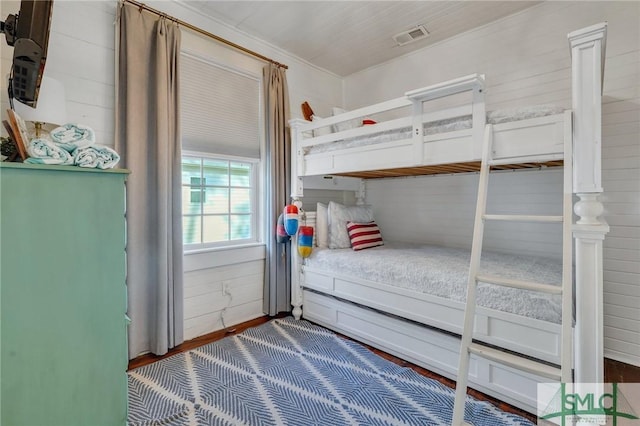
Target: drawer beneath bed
{"points": [[539, 339], [434, 350]]}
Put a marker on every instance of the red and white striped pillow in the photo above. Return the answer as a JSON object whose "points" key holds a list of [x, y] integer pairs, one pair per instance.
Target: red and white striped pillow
{"points": [[364, 235]]}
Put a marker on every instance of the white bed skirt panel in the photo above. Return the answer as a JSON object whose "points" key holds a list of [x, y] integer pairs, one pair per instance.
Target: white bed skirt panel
{"points": [[429, 348]]}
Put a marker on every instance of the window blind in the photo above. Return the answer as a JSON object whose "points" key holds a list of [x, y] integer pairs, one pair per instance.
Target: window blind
{"points": [[219, 109]]}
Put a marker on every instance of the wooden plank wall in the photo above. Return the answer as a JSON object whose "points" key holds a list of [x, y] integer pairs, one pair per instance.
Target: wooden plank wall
{"points": [[314, 196], [81, 56], [440, 210], [526, 60], [222, 288]]}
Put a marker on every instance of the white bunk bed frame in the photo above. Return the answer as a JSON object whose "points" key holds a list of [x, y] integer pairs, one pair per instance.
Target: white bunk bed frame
{"points": [[425, 329]]}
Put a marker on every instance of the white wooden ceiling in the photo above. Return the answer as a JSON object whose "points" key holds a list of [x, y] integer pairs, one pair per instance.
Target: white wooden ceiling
{"points": [[347, 36]]}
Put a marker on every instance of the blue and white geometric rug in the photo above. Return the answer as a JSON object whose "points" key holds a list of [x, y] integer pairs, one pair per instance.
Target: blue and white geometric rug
{"points": [[289, 372]]}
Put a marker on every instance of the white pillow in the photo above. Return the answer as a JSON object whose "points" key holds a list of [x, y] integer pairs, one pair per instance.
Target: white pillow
{"points": [[345, 125], [338, 216], [322, 226], [322, 130]]}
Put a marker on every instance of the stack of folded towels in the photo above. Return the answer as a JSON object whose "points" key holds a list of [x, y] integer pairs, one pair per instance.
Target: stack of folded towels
{"points": [[72, 144]]}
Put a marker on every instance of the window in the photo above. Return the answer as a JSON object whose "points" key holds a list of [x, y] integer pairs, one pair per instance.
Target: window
{"points": [[218, 201], [222, 132]]}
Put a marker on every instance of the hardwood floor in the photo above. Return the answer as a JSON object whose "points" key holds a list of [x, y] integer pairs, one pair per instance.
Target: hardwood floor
{"points": [[200, 341], [614, 371], [619, 372]]}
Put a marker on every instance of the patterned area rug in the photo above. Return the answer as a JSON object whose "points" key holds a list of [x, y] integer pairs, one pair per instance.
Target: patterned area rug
{"points": [[289, 372]]}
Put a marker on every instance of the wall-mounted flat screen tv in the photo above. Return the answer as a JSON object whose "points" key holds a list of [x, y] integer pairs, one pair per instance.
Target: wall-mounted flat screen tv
{"points": [[28, 33]]}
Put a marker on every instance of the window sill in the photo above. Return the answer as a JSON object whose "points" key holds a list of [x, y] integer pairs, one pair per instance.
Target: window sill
{"points": [[225, 248], [215, 257]]}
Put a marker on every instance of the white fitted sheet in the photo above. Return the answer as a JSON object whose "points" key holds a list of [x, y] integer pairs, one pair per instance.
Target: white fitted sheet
{"points": [[443, 272]]}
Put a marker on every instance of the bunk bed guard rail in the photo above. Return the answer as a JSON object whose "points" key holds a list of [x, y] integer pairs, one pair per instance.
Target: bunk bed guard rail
{"points": [[474, 83]]}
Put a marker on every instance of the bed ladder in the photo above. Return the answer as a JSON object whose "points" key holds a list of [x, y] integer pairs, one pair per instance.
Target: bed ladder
{"points": [[562, 373]]}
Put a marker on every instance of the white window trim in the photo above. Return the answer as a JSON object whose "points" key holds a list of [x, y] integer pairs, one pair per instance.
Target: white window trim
{"points": [[256, 185]]}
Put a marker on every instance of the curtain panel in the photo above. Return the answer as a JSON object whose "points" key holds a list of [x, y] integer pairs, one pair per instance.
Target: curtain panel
{"points": [[148, 137], [277, 288]]}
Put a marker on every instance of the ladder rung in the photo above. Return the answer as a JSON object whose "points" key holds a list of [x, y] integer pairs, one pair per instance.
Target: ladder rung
{"points": [[524, 285], [515, 361], [523, 218]]}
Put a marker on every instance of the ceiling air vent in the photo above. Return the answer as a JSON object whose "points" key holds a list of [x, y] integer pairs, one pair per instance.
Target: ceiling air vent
{"points": [[414, 34]]}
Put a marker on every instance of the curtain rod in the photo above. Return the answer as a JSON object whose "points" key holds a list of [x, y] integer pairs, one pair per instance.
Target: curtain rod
{"points": [[143, 6]]}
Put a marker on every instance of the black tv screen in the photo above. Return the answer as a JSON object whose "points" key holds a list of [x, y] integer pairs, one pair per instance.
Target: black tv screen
{"points": [[28, 33]]}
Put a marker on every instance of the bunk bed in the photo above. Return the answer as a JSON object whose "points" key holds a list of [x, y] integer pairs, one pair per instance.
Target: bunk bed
{"points": [[422, 321]]}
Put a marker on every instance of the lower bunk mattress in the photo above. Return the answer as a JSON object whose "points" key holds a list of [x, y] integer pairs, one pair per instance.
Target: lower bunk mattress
{"points": [[443, 272]]}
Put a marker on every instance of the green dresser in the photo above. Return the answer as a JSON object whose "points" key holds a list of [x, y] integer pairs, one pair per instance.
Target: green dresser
{"points": [[62, 296]]}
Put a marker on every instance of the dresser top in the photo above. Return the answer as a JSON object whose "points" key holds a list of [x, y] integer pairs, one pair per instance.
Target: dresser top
{"points": [[7, 165]]}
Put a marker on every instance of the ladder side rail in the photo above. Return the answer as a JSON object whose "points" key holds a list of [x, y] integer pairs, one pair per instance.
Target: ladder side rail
{"points": [[566, 348], [470, 306]]}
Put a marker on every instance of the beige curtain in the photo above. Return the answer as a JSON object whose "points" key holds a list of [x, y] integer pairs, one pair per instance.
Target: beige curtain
{"points": [[148, 137], [277, 290]]}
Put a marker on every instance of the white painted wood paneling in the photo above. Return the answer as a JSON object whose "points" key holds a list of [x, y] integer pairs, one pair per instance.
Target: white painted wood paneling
{"points": [[314, 196], [440, 210], [224, 294], [344, 36], [82, 56], [320, 88], [6, 56], [526, 61], [223, 288]]}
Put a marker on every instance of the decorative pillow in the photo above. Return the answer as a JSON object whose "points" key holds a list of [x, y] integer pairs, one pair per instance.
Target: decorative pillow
{"points": [[364, 235], [345, 125], [338, 216], [322, 226], [326, 130]]}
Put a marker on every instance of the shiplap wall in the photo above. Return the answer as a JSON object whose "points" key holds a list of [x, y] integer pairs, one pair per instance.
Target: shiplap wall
{"points": [[6, 55], [527, 61], [440, 210], [314, 196], [81, 57], [222, 288], [218, 284]]}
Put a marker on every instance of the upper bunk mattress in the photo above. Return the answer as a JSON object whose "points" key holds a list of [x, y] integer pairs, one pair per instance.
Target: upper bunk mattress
{"points": [[436, 127], [443, 272]]}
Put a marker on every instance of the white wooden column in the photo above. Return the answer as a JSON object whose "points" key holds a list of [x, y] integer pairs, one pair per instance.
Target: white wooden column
{"points": [[296, 272], [297, 192], [297, 164], [587, 53]]}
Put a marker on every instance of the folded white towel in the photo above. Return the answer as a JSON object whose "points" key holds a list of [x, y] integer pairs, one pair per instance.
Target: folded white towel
{"points": [[73, 136], [96, 156], [42, 151]]}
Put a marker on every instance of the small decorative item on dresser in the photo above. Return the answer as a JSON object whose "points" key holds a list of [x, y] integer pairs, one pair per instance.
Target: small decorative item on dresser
{"points": [[18, 132], [8, 150]]}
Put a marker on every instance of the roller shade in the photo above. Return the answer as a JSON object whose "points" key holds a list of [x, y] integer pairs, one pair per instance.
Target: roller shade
{"points": [[219, 109]]}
